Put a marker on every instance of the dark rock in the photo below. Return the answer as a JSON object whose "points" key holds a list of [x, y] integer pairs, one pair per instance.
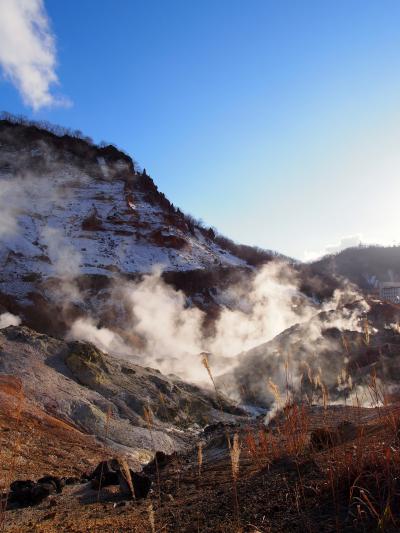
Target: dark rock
{"points": [[110, 473], [56, 481], [73, 480], [105, 474], [26, 492], [124, 484], [141, 484], [40, 492], [159, 461], [22, 496], [102, 468], [18, 485]]}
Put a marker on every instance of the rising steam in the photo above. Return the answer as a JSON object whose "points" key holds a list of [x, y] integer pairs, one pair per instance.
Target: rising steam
{"points": [[8, 319], [172, 334], [250, 343]]}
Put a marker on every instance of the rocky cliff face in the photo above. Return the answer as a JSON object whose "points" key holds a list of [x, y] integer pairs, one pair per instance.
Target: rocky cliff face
{"points": [[108, 397]]}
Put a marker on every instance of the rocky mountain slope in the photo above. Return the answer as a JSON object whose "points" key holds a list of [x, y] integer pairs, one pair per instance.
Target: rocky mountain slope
{"points": [[332, 355], [81, 230], [363, 265], [104, 212], [109, 397], [72, 210]]}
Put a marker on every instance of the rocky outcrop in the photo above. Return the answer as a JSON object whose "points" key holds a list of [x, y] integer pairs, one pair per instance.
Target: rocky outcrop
{"points": [[330, 354], [24, 493], [117, 472], [108, 396]]}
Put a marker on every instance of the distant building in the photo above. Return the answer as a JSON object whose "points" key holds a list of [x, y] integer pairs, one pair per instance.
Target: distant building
{"points": [[390, 291]]}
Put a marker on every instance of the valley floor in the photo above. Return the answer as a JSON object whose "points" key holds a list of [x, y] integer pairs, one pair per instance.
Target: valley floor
{"points": [[314, 469]]}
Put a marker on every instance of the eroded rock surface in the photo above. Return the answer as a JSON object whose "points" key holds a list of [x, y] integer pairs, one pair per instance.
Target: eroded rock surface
{"points": [[107, 396]]}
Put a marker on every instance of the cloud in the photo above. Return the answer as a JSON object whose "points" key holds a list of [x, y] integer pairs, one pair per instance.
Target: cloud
{"points": [[345, 242], [28, 52]]}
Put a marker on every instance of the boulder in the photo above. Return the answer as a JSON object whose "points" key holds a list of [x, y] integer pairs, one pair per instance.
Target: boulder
{"points": [[110, 473], [18, 485], [105, 474], [58, 483], [159, 461], [21, 492], [40, 492], [26, 492], [141, 484]]}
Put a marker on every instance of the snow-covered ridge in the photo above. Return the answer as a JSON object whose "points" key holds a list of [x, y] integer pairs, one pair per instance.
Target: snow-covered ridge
{"points": [[62, 215]]}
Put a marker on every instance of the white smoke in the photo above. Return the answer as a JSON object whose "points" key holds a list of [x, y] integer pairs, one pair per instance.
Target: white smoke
{"points": [[65, 266], [8, 319], [260, 311], [173, 332], [8, 213], [64, 257], [85, 329], [309, 359]]}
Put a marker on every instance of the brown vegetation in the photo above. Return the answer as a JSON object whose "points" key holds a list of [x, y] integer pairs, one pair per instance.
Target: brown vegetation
{"points": [[314, 468]]}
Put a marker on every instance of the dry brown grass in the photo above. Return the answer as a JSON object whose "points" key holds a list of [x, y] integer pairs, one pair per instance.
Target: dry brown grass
{"points": [[15, 450], [275, 474]]}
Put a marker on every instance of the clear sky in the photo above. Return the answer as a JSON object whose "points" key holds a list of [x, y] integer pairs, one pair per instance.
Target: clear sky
{"points": [[275, 121]]}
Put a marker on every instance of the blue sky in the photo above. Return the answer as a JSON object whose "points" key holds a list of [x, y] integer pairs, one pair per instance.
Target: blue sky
{"points": [[275, 121]]}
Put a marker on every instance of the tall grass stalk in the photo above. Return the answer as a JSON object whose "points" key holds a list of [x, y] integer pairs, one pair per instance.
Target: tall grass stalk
{"points": [[152, 520], [206, 364], [105, 455], [235, 457], [148, 416]]}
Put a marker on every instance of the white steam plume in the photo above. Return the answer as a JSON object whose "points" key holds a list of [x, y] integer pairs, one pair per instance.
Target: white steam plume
{"points": [[65, 261], [85, 329], [8, 319], [8, 210], [171, 329], [173, 333], [260, 312], [315, 349]]}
